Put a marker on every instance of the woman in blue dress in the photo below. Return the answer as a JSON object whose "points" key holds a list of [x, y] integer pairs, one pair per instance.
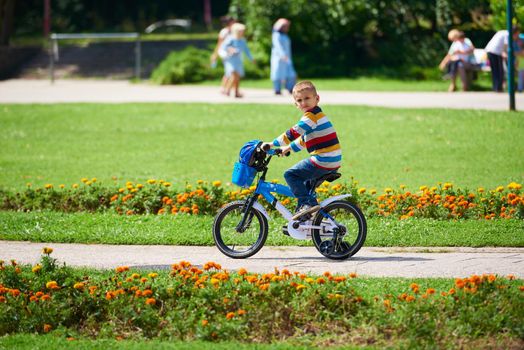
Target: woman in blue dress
{"points": [[282, 70], [231, 53]]}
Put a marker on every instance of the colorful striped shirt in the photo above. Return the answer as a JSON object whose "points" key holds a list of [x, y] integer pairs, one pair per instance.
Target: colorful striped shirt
{"points": [[314, 132]]}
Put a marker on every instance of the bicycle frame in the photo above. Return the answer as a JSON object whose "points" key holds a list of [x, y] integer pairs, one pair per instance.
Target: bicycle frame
{"points": [[266, 189]]}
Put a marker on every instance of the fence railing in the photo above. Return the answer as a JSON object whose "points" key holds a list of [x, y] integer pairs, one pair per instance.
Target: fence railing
{"points": [[55, 37]]}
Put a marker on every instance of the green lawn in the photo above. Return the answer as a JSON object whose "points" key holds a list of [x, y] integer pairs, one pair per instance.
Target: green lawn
{"points": [[371, 83], [58, 341], [60, 144], [196, 230]]}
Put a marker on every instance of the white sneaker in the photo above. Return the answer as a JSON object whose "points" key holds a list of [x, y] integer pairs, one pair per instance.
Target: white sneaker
{"points": [[305, 209]]}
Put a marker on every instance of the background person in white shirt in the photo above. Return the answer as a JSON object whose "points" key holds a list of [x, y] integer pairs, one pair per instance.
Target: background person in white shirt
{"points": [[497, 52], [459, 59]]}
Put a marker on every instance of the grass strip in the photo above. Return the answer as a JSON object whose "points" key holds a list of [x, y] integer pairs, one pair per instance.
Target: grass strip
{"points": [[196, 230], [58, 341]]}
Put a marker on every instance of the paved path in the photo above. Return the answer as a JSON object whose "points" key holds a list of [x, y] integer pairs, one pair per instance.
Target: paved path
{"points": [[42, 91], [394, 262]]}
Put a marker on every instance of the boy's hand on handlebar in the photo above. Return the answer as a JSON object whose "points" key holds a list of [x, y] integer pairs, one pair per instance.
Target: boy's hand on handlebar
{"points": [[285, 151], [266, 146]]}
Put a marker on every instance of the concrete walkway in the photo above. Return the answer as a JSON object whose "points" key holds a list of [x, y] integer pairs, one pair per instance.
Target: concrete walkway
{"points": [[369, 261], [65, 91]]}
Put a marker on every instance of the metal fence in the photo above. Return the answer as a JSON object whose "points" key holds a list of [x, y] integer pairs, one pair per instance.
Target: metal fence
{"points": [[54, 53]]}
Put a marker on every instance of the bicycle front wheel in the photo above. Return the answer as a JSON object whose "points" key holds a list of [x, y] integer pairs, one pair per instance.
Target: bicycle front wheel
{"points": [[235, 241], [344, 230]]}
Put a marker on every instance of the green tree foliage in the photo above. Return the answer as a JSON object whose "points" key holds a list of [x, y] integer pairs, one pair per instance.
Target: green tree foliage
{"points": [[498, 9], [69, 16], [341, 35]]}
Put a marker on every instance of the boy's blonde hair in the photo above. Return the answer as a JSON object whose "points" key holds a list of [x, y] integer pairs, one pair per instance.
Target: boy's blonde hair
{"points": [[303, 86]]}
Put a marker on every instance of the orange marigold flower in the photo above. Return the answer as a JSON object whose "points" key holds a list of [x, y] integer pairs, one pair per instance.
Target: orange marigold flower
{"points": [[241, 312], [230, 315], [47, 327], [79, 286], [147, 292], [47, 250], [430, 291], [52, 285], [150, 301], [45, 297], [521, 288], [320, 280], [242, 271], [410, 298], [121, 269], [460, 283], [114, 198], [300, 287], [205, 323]]}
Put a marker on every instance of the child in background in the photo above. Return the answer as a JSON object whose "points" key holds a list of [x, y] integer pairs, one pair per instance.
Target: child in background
{"points": [[231, 52], [314, 132], [227, 22]]}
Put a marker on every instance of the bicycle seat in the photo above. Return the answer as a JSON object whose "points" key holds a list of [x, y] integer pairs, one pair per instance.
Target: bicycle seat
{"points": [[328, 177]]}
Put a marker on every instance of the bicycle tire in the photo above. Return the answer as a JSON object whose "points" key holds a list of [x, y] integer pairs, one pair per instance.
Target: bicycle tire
{"points": [[226, 236], [354, 237]]}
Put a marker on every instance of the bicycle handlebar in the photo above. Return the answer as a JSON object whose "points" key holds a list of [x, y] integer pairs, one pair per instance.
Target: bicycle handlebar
{"points": [[273, 152]]}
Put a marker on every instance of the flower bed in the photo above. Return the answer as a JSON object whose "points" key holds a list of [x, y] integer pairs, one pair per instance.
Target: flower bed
{"points": [[443, 201], [212, 303]]}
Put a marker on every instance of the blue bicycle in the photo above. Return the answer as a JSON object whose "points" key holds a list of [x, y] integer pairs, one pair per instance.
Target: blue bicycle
{"points": [[240, 228]]}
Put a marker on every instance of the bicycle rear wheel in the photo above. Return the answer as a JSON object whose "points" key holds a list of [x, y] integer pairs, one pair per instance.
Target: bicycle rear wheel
{"points": [[239, 242], [344, 239]]}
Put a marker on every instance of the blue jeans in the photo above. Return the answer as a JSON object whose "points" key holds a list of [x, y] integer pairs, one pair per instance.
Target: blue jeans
{"points": [[289, 83], [301, 178]]}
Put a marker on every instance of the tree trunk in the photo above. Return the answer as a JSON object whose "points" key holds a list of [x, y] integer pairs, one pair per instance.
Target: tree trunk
{"points": [[7, 8]]}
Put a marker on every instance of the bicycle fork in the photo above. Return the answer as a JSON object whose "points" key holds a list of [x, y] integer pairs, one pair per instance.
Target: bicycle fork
{"points": [[247, 216]]}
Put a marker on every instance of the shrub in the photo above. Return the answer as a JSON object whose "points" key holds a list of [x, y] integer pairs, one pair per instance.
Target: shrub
{"points": [[189, 65]]}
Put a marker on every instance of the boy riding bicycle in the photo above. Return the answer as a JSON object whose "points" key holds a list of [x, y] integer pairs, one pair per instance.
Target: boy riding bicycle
{"points": [[314, 132]]}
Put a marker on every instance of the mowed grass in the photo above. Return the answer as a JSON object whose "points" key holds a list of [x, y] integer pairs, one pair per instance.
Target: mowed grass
{"points": [[371, 83], [58, 341], [60, 144], [196, 230]]}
